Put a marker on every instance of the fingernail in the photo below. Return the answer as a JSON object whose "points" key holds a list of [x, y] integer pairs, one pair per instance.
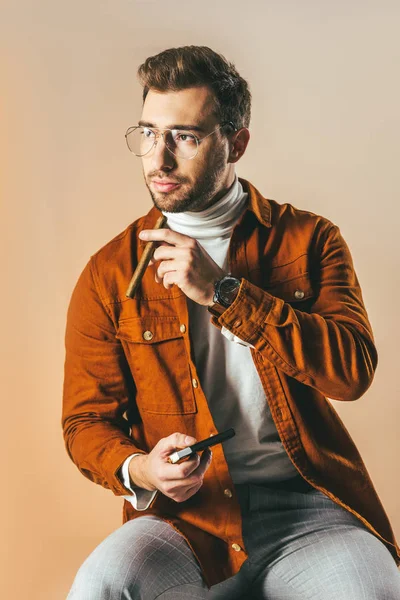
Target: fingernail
{"points": [[143, 235]]}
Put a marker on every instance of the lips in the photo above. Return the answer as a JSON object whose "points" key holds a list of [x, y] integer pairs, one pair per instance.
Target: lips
{"points": [[165, 186]]}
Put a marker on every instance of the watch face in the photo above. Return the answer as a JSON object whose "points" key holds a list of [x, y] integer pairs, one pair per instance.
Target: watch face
{"points": [[228, 290]]}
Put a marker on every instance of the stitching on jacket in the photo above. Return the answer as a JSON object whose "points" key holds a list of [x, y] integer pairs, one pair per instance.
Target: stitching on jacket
{"points": [[281, 265], [96, 281]]}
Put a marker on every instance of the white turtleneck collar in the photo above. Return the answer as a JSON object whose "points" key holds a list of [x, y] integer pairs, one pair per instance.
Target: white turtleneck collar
{"points": [[217, 221]]}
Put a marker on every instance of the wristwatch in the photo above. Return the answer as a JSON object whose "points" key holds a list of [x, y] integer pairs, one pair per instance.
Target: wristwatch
{"points": [[225, 292]]}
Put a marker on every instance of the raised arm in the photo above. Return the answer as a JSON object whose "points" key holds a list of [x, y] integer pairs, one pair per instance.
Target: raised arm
{"points": [[330, 348]]}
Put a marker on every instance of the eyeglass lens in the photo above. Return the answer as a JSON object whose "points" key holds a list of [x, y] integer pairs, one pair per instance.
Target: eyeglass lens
{"points": [[140, 141]]}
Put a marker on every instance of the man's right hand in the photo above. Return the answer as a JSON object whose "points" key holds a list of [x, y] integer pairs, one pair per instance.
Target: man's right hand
{"points": [[180, 481]]}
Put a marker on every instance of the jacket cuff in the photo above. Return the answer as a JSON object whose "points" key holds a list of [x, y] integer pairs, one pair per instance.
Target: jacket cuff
{"points": [[140, 499], [251, 308], [124, 472], [119, 489], [114, 456]]}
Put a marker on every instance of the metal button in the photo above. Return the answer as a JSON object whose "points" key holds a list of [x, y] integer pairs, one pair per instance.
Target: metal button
{"points": [[236, 547], [147, 335], [237, 323], [228, 493], [299, 294], [183, 328], [195, 383]]}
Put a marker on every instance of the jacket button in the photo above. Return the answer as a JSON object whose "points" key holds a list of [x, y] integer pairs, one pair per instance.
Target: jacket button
{"points": [[182, 328], [195, 383], [228, 493], [236, 547], [147, 335], [299, 294]]}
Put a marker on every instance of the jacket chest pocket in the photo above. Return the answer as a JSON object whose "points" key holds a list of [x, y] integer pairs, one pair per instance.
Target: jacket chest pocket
{"points": [[158, 360], [298, 292]]}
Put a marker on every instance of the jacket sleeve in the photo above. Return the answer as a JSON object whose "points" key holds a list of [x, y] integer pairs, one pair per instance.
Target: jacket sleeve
{"points": [[329, 348], [98, 387]]}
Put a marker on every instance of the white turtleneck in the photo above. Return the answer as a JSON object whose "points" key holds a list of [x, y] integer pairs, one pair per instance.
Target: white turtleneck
{"points": [[226, 370]]}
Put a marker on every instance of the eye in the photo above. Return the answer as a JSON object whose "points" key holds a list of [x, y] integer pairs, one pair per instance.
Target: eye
{"points": [[184, 137], [147, 133]]}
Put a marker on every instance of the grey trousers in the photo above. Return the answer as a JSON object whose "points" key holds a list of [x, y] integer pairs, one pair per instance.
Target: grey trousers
{"points": [[301, 546]]}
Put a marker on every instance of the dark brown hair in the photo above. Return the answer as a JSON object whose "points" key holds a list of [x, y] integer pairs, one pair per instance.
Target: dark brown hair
{"points": [[190, 66]]}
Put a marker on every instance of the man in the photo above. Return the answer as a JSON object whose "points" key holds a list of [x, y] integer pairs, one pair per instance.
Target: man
{"points": [[250, 316]]}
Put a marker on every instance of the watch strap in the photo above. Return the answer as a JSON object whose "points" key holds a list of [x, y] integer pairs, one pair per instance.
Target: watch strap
{"points": [[216, 309]]}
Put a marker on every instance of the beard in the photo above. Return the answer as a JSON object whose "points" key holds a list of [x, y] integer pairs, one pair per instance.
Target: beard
{"points": [[198, 196]]}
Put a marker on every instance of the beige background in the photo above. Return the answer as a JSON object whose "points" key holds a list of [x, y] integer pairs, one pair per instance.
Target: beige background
{"points": [[325, 137]]}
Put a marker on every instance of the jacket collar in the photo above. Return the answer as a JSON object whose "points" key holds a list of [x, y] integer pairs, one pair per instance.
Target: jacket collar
{"points": [[259, 205]]}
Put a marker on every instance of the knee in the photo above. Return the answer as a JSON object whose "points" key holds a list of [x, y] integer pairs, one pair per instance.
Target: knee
{"points": [[136, 561], [361, 583], [368, 572], [114, 568], [336, 568], [105, 575]]}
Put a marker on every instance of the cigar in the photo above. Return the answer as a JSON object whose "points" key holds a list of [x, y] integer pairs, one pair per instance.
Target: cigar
{"points": [[144, 261]]}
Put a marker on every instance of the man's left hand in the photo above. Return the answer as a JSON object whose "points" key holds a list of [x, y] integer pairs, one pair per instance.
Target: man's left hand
{"points": [[184, 262]]}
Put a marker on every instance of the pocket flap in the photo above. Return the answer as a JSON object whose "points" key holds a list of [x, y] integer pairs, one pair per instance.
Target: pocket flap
{"points": [[149, 330], [297, 289]]}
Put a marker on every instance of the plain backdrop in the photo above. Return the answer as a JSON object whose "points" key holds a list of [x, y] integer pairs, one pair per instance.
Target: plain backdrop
{"points": [[324, 136]]}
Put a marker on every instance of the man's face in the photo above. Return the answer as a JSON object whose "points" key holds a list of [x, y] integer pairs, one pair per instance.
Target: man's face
{"points": [[197, 181]]}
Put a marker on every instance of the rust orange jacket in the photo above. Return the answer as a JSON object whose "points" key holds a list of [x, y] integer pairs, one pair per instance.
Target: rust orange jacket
{"points": [[300, 306]]}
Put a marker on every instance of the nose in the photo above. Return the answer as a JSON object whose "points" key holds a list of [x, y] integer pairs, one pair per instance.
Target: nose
{"points": [[162, 159]]}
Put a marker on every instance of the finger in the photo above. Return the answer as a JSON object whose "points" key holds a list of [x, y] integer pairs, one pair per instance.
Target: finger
{"points": [[191, 470], [162, 270], [174, 476], [173, 442], [165, 235], [165, 266], [171, 278], [159, 245], [205, 462], [190, 466], [167, 252], [181, 474], [195, 476]]}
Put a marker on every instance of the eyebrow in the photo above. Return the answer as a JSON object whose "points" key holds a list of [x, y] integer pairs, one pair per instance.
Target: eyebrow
{"points": [[185, 127]]}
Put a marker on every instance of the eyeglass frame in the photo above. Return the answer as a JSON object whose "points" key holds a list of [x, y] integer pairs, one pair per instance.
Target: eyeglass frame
{"points": [[160, 131]]}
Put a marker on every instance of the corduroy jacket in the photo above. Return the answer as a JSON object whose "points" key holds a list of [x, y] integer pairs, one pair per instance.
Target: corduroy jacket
{"points": [[130, 378]]}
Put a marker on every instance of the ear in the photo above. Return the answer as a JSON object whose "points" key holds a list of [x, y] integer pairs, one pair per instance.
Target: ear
{"points": [[238, 144]]}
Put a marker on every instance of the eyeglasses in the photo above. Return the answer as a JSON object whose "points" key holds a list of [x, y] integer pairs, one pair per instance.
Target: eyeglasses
{"points": [[180, 143]]}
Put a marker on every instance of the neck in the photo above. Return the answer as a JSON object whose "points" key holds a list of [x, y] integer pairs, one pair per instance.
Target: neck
{"points": [[229, 181]]}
